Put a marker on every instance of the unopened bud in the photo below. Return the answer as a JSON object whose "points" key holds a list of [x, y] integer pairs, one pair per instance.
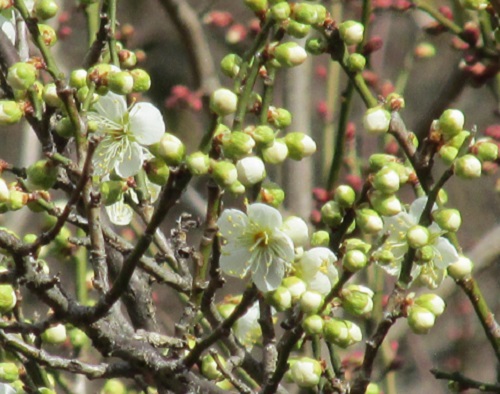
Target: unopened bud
{"points": [[22, 75], [251, 170], [356, 62], [276, 153], [447, 219], [448, 154], [256, 5], [128, 59], [376, 120], [8, 298], [486, 150], [305, 13], [460, 269], [320, 238], [342, 333], [290, 54], [236, 188], [296, 228], [78, 338], [224, 173], [383, 257], [271, 194], [418, 236], [369, 221], [198, 163], [313, 325], [357, 244], [295, 286], [230, 65], [280, 12], [385, 204], [142, 80], [386, 180], [306, 372], [157, 171], [299, 145], [4, 191], [78, 78], [223, 102], [9, 372], [351, 32], [42, 174], [45, 9], [357, 299], [420, 320], [297, 29], [451, 122], [237, 145], [279, 117], [111, 191], [431, 302], [332, 214], [425, 50], [262, 135], [10, 112], [121, 82], [50, 96], [316, 45], [48, 34], [373, 388], [378, 161], [281, 298], [476, 5], [468, 167], [311, 302], [170, 149], [55, 334], [354, 260], [113, 386]]}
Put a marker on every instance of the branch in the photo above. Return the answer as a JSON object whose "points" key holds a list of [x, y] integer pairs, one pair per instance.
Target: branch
{"points": [[464, 383]]}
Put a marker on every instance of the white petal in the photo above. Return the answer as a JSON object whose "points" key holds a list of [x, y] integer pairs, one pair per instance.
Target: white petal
{"points": [[146, 123], [120, 213], [131, 161], [447, 254], [112, 106], [282, 246], [234, 260], [264, 215], [232, 224], [268, 271], [315, 258], [417, 207], [8, 28], [319, 283]]}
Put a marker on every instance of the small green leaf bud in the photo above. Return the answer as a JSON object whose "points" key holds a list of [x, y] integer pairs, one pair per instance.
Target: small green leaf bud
{"points": [[237, 145], [256, 5], [113, 386], [8, 298], [342, 333], [4, 191], [468, 167], [486, 150], [22, 75], [17, 200], [460, 269], [209, 368], [9, 372], [376, 120], [295, 286], [276, 153], [42, 175], [223, 102], [332, 214], [351, 32], [230, 65], [431, 302], [451, 122], [157, 171], [251, 170], [198, 163], [10, 112], [280, 12], [357, 244], [475, 5], [354, 260], [420, 320], [262, 135], [224, 173], [170, 149], [448, 154], [369, 221], [378, 161], [356, 62], [50, 96], [281, 298], [279, 117], [305, 13], [48, 34], [306, 372], [385, 204], [316, 45], [121, 82], [447, 219], [386, 180], [357, 300], [299, 145], [418, 236], [64, 127], [311, 302], [78, 78], [320, 238], [290, 54], [55, 334], [296, 29], [296, 228], [313, 325], [112, 191], [142, 80], [45, 9], [271, 194]]}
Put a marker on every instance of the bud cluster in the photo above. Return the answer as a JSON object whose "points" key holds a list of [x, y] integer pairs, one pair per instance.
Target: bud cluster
{"points": [[424, 311]]}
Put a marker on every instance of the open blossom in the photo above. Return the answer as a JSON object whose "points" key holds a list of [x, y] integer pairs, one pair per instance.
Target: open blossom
{"points": [[255, 244], [432, 272], [316, 268], [125, 132]]}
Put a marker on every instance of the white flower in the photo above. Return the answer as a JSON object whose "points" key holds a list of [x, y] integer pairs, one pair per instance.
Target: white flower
{"points": [[316, 269], [255, 243], [431, 273], [124, 131], [247, 328]]}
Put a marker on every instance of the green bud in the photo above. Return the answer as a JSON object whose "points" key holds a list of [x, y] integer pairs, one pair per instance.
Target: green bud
{"points": [[320, 238], [351, 32], [198, 163], [354, 260], [290, 54], [385, 204], [170, 149], [128, 59], [313, 325], [9, 372], [295, 286], [271, 194], [142, 80], [373, 388], [64, 127], [113, 386], [296, 29], [22, 75], [431, 302], [276, 153], [157, 171], [376, 120], [357, 244], [223, 102], [299, 145], [306, 372], [447, 219], [486, 150], [262, 135], [425, 254], [311, 302], [451, 123], [230, 65], [17, 200], [78, 338], [279, 117], [305, 13], [322, 13], [50, 96], [342, 333], [48, 34], [224, 173], [10, 112], [356, 62], [112, 191], [237, 188], [396, 102], [55, 335], [425, 50], [45, 9], [369, 221], [251, 170], [42, 175], [357, 300], [418, 236], [468, 167], [475, 5], [378, 161], [209, 368], [386, 180], [121, 82], [316, 45], [332, 214], [461, 269], [402, 171], [237, 145], [280, 299], [8, 298], [280, 12], [81, 95], [4, 191], [448, 154], [78, 78], [256, 5], [420, 320]]}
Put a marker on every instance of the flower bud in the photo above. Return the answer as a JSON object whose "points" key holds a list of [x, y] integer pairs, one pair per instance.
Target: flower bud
{"points": [[447, 219], [372, 388], [256, 5], [237, 188], [420, 320], [280, 299], [48, 34], [320, 238], [357, 300], [356, 244], [198, 163], [305, 13], [378, 161], [9, 372], [251, 170], [451, 122], [55, 335], [223, 102], [425, 254], [230, 65], [425, 50], [142, 80], [17, 200], [418, 236], [385, 204], [78, 78], [50, 96], [331, 214], [396, 102], [306, 372], [468, 167], [354, 260], [351, 32], [299, 145], [157, 171], [276, 153], [209, 368], [486, 150], [431, 302], [383, 257], [342, 333], [290, 54], [8, 298], [280, 12], [42, 175], [224, 173], [279, 117], [111, 191], [316, 45], [476, 5], [386, 180], [45, 9], [4, 191], [237, 145], [78, 338], [295, 286], [262, 135], [356, 62], [81, 95], [10, 112], [402, 171], [311, 302], [460, 269], [128, 59], [22, 75], [170, 149], [296, 29], [113, 386], [376, 120], [448, 154], [296, 228], [313, 325], [121, 82], [369, 221]]}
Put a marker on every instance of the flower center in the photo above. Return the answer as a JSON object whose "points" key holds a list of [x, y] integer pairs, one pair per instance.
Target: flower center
{"points": [[260, 238]]}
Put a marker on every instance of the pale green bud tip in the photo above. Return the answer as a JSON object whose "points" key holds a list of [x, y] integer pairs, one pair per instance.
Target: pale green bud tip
{"points": [[476, 5], [237, 145], [279, 117], [209, 368], [10, 112], [311, 302], [121, 82], [357, 244], [299, 145], [251, 170], [354, 260], [341, 332], [45, 9], [320, 238], [460, 269], [9, 372], [451, 122], [468, 167], [78, 338], [55, 335], [21, 75], [356, 62], [223, 102], [418, 236], [420, 320], [351, 32], [281, 298], [157, 171], [331, 214], [230, 65], [297, 30], [305, 13], [4, 191], [224, 173], [296, 228], [280, 12], [385, 204], [357, 299], [431, 302], [256, 5], [386, 180], [376, 120], [142, 80], [290, 54], [378, 161], [198, 163], [8, 298], [295, 286], [447, 219], [372, 388], [276, 153], [369, 221], [306, 372], [111, 191], [50, 95], [486, 150], [113, 386], [313, 325], [237, 188], [262, 135], [169, 148], [448, 153]]}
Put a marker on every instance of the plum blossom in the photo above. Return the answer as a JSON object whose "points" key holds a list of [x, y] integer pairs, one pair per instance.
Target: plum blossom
{"points": [[316, 268], [254, 243]]}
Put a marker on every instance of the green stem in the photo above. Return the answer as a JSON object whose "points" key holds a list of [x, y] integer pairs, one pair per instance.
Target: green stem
{"points": [[245, 96], [111, 10], [92, 16], [268, 94], [429, 9]]}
